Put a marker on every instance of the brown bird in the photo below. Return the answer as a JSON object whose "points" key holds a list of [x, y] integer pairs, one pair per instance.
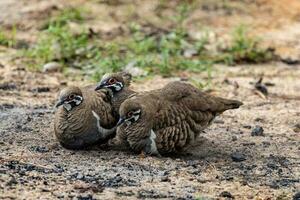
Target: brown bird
{"points": [[168, 119], [119, 84], [84, 117]]}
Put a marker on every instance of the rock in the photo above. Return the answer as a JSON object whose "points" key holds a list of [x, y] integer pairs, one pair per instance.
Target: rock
{"points": [[257, 131], [247, 126], [238, 157], [226, 195], [12, 181], [291, 60], [258, 119], [165, 179], [218, 121], [134, 70], [79, 176], [85, 197], [297, 128], [39, 149], [52, 67], [8, 86], [189, 53], [234, 138], [296, 196], [40, 89]]}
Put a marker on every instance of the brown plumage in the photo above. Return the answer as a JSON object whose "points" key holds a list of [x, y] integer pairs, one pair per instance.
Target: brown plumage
{"points": [[118, 83], [169, 119], [84, 117]]}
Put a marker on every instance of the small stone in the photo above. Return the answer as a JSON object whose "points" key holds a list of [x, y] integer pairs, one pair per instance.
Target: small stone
{"points": [[12, 181], [234, 138], [79, 176], [165, 179], [135, 70], [8, 86], [218, 121], [39, 149], [296, 196], [40, 89], [238, 157], [189, 53], [226, 195], [297, 128], [247, 126], [52, 67], [258, 119], [257, 131]]}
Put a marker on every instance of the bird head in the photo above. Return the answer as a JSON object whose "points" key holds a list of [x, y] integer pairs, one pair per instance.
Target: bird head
{"points": [[115, 81], [130, 112], [69, 98]]}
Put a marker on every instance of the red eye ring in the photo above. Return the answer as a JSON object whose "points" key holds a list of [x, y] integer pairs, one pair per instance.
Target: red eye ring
{"points": [[129, 114], [112, 81], [71, 96]]}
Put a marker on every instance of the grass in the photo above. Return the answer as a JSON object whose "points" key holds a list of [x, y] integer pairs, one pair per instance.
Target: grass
{"points": [[244, 49], [65, 16], [162, 53], [6, 40]]}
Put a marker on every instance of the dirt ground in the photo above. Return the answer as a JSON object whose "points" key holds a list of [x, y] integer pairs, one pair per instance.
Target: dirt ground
{"points": [[227, 161]]}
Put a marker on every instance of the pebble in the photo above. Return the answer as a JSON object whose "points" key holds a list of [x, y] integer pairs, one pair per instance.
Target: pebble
{"points": [[219, 121], [257, 131], [165, 179], [8, 86], [297, 128], [40, 89], [189, 53], [238, 157], [247, 126], [226, 195], [79, 176], [234, 138], [134, 70], [52, 67], [296, 196]]}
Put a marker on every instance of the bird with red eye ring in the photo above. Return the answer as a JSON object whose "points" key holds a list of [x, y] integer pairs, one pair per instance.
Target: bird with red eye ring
{"points": [[112, 83], [71, 96], [129, 114], [131, 117]]}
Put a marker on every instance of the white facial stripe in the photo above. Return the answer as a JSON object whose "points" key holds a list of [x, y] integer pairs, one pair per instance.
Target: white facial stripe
{"points": [[78, 100], [67, 105], [135, 116], [105, 132], [118, 86], [153, 143]]}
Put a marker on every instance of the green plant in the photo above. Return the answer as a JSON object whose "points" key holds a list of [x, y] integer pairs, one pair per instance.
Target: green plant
{"points": [[64, 16], [58, 43], [8, 41], [245, 49]]}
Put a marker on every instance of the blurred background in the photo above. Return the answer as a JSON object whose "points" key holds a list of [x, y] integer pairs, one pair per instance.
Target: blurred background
{"points": [[89, 38], [247, 50]]}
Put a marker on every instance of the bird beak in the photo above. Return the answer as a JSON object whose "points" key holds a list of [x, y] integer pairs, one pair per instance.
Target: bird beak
{"points": [[59, 103], [99, 86], [121, 121]]}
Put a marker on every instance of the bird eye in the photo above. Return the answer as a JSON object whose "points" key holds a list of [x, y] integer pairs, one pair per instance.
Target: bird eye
{"points": [[112, 81], [71, 96], [129, 114]]}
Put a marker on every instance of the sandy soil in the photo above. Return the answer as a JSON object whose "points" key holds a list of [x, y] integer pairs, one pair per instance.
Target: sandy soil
{"points": [[226, 161]]}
